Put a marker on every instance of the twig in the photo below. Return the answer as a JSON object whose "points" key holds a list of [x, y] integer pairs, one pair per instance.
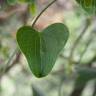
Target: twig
{"points": [[14, 62], [61, 71], [8, 62], [43, 12], [84, 51], [87, 23], [80, 87], [9, 67]]}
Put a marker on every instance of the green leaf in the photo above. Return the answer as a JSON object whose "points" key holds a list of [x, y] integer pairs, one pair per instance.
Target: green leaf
{"points": [[42, 48], [88, 5]]}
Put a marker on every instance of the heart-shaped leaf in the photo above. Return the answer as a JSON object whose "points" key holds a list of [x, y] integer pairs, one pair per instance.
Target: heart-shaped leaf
{"points": [[42, 48], [88, 5]]}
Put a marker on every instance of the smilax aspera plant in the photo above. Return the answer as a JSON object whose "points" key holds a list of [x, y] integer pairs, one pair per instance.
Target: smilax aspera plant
{"points": [[41, 49]]}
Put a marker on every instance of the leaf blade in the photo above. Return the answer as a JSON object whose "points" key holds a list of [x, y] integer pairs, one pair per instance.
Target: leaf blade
{"points": [[38, 48]]}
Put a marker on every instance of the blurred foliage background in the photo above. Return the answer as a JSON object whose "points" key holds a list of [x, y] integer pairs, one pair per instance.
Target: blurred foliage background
{"points": [[74, 73]]}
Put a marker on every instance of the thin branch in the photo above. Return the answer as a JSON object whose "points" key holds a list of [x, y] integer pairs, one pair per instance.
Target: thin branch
{"points": [[87, 23], [88, 64], [14, 62], [10, 58], [85, 50], [8, 62], [43, 12], [78, 89]]}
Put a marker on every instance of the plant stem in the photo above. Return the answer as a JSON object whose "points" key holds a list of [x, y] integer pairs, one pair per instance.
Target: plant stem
{"points": [[87, 24], [42, 12], [8, 62], [15, 51]]}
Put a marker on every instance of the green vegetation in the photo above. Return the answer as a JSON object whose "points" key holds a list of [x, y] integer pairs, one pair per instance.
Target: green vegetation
{"points": [[74, 71]]}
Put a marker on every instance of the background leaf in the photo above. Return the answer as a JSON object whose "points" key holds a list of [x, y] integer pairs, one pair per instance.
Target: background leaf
{"points": [[88, 5]]}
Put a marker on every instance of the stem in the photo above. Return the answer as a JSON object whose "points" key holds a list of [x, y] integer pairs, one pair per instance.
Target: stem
{"points": [[15, 51], [87, 24], [84, 51], [8, 62], [42, 12]]}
